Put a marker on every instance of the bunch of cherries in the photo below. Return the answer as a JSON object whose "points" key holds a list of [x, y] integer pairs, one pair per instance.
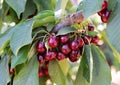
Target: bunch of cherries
{"points": [[63, 46], [104, 13]]}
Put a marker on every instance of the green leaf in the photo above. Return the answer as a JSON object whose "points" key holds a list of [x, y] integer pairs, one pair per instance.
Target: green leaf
{"points": [[112, 5], [81, 6], [4, 71], [101, 71], [46, 20], [22, 36], [28, 75], [116, 54], [92, 33], [44, 14], [32, 51], [6, 36], [93, 68], [44, 5], [90, 7], [20, 58], [114, 26], [64, 66], [43, 80], [56, 73], [63, 5], [17, 5], [84, 74], [30, 9], [66, 30]]}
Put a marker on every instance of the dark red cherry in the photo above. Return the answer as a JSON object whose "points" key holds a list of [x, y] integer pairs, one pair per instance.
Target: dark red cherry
{"points": [[104, 5], [64, 38], [40, 72], [65, 49], [46, 72], [53, 41], [74, 44], [81, 42], [74, 55], [60, 56], [50, 55], [95, 39], [90, 28], [40, 47], [105, 16], [40, 58], [87, 39]]}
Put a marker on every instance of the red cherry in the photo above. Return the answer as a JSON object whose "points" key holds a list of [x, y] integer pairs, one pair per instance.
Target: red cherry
{"points": [[104, 5], [46, 72], [95, 39], [64, 38], [81, 42], [65, 49], [47, 63], [50, 55], [74, 45], [60, 56], [74, 55], [90, 28], [105, 16], [40, 58], [53, 41], [87, 39], [40, 72], [40, 47]]}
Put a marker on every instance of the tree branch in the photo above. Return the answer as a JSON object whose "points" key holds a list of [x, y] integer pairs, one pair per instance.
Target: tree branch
{"points": [[69, 20]]}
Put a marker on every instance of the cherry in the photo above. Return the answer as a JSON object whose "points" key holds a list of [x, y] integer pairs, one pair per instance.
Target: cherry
{"points": [[74, 45], [105, 16], [74, 55], [46, 72], [40, 58], [40, 47], [40, 72], [60, 56], [90, 28], [64, 38], [81, 50], [81, 42], [47, 63], [65, 49], [95, 39], [53, 41], [87, 39], [104, 5], [50, 55]]}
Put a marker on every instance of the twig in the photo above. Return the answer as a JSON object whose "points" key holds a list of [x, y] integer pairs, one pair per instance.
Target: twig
{"points": [[69, 20]]}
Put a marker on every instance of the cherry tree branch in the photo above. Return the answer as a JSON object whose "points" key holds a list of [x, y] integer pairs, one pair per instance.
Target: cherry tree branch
{"points": [[69, 20]]}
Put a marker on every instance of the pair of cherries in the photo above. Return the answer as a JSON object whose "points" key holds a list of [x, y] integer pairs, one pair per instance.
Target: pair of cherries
{"points": [[104, 13]]}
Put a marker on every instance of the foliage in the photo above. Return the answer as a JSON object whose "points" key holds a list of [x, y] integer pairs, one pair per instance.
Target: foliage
{"points": [[34, 20]]}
